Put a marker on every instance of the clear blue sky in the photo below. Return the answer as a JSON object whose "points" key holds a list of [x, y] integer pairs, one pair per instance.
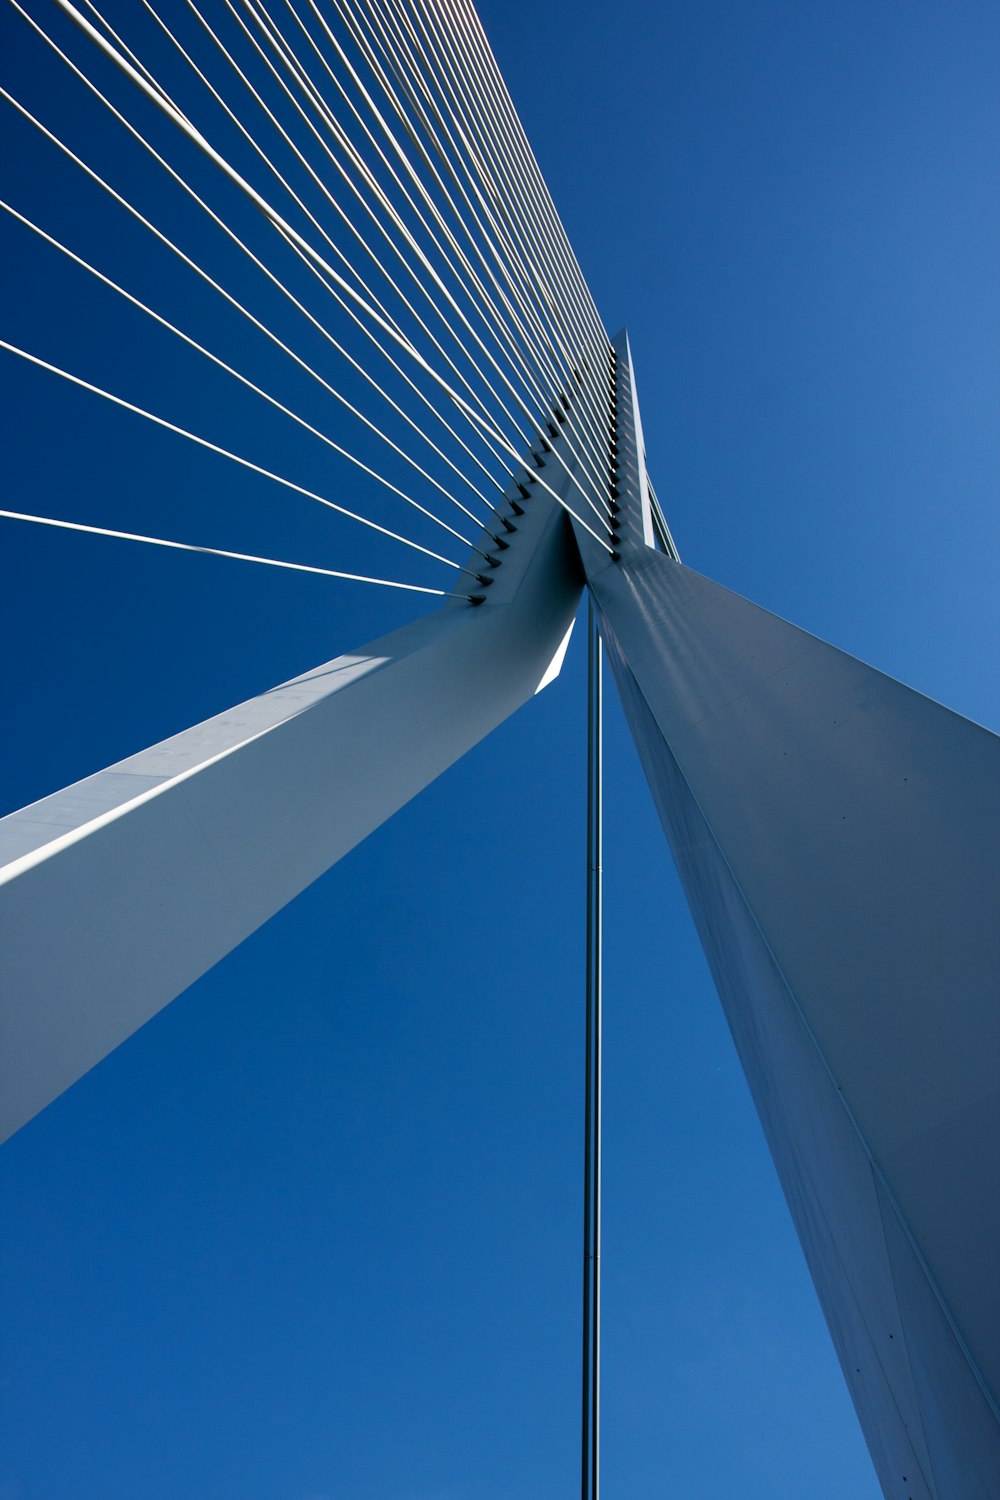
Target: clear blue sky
{"points": [[314, 1233]]}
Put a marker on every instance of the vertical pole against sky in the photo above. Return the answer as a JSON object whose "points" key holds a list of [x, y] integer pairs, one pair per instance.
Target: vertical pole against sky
{"points": [[591, 1362]]}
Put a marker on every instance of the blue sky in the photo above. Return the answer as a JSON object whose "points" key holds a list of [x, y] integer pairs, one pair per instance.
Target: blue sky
{"points": [[314, 1232]]}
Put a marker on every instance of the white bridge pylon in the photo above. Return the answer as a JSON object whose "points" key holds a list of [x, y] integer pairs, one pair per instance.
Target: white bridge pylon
{"points": [[836, 833], [837, 837], [118, 892]]}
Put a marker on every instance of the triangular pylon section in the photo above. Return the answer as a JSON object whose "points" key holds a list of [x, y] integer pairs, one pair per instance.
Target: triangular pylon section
{"points": [[837, 835]]}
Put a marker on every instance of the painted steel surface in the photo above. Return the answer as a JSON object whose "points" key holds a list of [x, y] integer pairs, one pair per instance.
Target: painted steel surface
{"points": [[837, 835], [118, 892]]}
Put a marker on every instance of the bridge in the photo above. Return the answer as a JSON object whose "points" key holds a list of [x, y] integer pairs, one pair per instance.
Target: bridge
{"points": [[356, 192]]}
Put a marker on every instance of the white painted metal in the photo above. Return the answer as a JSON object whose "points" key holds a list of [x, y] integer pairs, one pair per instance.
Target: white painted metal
{"points": [[632, 445], [118, 892], [838, 836]]}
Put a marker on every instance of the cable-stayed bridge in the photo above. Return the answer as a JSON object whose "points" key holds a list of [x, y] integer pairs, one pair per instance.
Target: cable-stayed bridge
{"points": [[361, 178]]}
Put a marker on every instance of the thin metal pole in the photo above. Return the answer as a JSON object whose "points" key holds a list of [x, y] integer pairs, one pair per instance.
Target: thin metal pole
{"points": [[590, 1455], [596, 971], [587, 1095]]}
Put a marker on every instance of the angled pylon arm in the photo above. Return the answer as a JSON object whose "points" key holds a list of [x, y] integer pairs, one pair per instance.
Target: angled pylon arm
{"points": [[118, 892], [838, 838]]}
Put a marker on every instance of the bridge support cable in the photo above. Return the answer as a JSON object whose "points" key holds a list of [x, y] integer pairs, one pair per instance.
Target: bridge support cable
{"points": [[415, 70], [229, 370], [537, 351], [476, 145], [490, 114], [294, 239], [361, 37], [160, 96], [435, 411], [269, 562], [301, 246], [245, 249], [464, 278], [344, 305], [565, 444], [364, 199], [413, 63], [411, 78], [360, 323], [492, 111], [202, 442], [498, 109]]}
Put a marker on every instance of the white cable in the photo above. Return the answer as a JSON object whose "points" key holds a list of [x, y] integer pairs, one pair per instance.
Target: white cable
{"points": [[303, 245], [383, 81], [535, 421], [467, 38], [422, 74], [217, 360], [306, 85], [166, 101], [238, 306], [535, 198], [468, 272], [542, 357], [359, 322], [235, 458], [481, 120], [474, 32], [271, 214], [485, 211], [430, 65], [120, 42], [490, 122], [397, 289], [233, 302], [307, 250], [164, 240], [271, 562], [595, 365], [403, 76], [486, 432]]}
